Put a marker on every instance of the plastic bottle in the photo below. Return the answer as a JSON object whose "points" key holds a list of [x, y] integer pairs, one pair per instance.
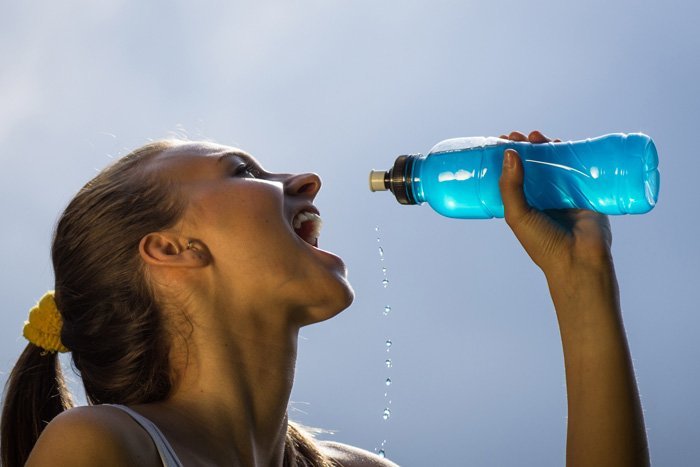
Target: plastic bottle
{"points": [[611, 174]]}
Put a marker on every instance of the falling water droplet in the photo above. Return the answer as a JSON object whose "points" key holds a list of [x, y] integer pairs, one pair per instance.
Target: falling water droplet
{"points": [[387, 310], [385, 282], [381, 252], [388, 344], [389, 363], [388, 382], [384, 270], [382, 454], [386, 414]]}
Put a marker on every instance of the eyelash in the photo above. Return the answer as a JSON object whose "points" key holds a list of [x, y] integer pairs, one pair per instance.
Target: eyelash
{"points": [[249, 168]]}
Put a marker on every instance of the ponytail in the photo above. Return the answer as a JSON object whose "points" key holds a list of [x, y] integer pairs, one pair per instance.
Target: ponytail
{"points": [[34, 394]]}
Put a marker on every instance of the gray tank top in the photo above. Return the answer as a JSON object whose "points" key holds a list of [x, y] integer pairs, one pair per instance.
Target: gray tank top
{"points": [[167, 454]]}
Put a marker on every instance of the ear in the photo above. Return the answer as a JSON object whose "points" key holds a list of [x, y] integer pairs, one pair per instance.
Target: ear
{"points": [[165, 249]]}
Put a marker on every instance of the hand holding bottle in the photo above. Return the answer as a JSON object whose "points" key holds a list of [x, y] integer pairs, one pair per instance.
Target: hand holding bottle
{"points": [[556, 240]]}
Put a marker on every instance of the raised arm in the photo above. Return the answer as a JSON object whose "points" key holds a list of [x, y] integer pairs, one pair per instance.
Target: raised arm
{"points": [[572, 247]]}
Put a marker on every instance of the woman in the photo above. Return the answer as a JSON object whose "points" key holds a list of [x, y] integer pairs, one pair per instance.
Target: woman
{"points": [[183, 275]]}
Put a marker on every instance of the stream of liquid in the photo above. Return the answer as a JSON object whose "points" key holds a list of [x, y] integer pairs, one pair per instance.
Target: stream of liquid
{"points": [[388, 362]]}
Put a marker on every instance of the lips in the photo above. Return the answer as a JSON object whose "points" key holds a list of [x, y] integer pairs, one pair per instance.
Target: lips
{"points": [[307, 225]]}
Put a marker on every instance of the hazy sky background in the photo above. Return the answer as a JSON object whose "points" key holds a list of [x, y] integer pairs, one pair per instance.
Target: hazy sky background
{"points": [[339, 88]]}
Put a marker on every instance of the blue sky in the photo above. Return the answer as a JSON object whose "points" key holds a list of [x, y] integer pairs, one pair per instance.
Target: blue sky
{"points": [[339, 88]]}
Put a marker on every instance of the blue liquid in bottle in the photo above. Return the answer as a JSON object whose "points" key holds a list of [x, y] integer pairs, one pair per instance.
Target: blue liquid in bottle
{"points": [[612, 174]]}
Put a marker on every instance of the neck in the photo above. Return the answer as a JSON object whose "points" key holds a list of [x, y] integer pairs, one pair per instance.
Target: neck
{"points": [[234, 391]]}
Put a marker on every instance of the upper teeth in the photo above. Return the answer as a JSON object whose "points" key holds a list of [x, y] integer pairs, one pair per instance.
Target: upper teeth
{"points": [[308, 216], [305, 216]]}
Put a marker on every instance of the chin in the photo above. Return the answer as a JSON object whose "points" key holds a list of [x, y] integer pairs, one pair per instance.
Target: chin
{"points": [[332, 306]]}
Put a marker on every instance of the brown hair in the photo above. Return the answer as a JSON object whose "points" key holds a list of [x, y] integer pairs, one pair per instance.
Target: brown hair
{"points": [[111, 321]]}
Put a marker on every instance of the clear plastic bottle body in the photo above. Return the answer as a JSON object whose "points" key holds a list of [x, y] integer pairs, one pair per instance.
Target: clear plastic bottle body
{"points": [[611, 174]]}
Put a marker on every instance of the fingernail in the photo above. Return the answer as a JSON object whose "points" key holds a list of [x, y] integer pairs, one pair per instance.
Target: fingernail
{"points": [[509, 159]]}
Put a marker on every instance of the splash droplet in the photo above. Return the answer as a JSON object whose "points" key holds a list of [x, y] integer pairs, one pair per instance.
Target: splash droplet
{"points": [[382, 454], [386, 414], [388, 344], [389, 363], [385, 282], [388, 382], [387, 310]]}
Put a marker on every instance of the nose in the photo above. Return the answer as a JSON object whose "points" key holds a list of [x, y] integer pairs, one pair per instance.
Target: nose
{"points": [[306, 184]]}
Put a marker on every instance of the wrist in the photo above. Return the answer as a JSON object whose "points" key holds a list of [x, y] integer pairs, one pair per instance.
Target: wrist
{"points": [[574, 279], [585, 297]]}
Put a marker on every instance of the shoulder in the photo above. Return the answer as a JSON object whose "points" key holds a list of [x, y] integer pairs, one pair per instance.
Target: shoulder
{"points": [[351, 456], [93, 435]]}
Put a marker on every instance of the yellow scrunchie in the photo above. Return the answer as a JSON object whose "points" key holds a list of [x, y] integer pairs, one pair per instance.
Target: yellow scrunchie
{"points": [[44, 326]]}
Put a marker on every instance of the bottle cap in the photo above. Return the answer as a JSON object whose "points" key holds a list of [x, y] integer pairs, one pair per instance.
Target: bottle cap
{"points": [[377, 180]]}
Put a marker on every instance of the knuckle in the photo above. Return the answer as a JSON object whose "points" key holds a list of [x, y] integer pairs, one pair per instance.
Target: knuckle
{"points": [[511, 218], [520, 218]]}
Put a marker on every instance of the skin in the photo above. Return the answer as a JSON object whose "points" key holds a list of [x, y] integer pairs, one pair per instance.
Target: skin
{"points": [[237, 297]]}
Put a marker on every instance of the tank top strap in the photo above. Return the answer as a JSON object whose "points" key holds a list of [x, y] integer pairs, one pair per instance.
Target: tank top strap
{"points": [[165, 450]]}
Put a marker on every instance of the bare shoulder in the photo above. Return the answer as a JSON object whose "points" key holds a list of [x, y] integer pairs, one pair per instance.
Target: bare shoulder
{"points": [[351, 456], [94, 435]]}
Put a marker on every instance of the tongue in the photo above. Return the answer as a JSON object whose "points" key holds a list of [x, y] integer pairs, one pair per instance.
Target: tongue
{"points": [[304, 231]]}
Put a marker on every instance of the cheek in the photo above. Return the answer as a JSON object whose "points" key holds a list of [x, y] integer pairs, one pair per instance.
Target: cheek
{"points": [[243, 224], [232, 205]]}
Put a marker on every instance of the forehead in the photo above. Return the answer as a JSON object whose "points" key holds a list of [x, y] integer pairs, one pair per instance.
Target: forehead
{"points": [[193, 159]]}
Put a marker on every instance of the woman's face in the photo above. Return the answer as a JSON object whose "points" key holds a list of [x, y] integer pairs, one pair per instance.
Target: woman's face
{"points": [[260, 230]]}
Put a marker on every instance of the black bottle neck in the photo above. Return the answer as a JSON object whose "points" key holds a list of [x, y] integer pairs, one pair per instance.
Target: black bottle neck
{"points": [[399, 179]]}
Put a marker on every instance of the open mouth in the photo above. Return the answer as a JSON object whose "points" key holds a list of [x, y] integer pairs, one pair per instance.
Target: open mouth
{"points": [[307, 225]]}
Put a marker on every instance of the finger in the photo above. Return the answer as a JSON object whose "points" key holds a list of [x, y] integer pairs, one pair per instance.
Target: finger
{"points": [[557, 140], [537, 137], [517, 136], [503, 136], [511, 185]]}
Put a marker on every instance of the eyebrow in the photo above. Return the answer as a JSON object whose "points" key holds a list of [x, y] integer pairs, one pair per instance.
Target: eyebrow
{"points": [[231, 154]]}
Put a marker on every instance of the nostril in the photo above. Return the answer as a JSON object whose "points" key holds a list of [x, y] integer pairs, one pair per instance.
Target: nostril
{"points": [[304, 184], [305, 188]]}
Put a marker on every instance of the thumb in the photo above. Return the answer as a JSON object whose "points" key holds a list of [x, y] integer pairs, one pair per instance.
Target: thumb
{"points": [[511, 185], [535, 231]]}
